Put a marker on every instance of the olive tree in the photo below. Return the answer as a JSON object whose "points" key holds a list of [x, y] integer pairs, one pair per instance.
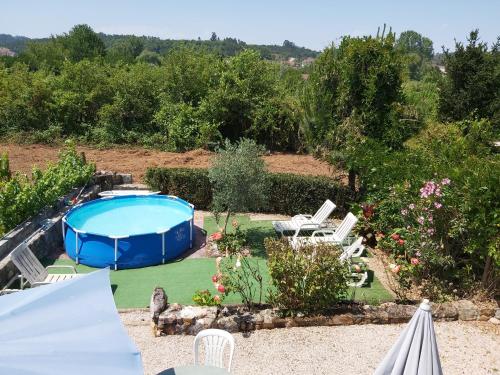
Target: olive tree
{"points": [[239, 180]]}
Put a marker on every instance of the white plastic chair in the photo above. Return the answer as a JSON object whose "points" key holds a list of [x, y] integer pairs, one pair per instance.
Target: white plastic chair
{"points": [[305, 222], [214, 341]]}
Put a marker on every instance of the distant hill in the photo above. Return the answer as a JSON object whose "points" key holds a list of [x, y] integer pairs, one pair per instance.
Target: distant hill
{"points": [[15, 43], [224, 47]]}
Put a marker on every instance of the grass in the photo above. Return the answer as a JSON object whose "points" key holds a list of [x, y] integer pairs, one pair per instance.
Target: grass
{"points": [[180, 279]]}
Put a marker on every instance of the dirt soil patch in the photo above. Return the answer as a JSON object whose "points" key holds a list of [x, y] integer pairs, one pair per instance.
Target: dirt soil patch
{"points": [[136, 160]]}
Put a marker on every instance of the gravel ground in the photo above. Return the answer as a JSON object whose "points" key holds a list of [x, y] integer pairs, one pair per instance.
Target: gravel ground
{"points": [[465, 348]]}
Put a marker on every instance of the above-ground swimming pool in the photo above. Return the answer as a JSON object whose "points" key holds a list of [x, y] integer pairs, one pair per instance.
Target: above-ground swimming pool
{"points": [[129, 231]]}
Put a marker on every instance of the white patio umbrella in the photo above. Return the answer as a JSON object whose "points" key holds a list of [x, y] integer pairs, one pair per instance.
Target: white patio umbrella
{"points": [[416, 350], [70, 327]]}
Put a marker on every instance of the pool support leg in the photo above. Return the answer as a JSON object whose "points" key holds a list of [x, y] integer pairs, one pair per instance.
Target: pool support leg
{"points": [[163, 247], [116, 254], [191, 232], [76, 248]]}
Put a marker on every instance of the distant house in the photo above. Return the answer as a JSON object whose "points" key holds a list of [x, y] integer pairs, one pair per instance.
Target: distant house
{"points": [[307, 61], [6, 52]]}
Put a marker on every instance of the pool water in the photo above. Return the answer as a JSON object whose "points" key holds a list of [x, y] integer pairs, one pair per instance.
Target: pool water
{"points": [[129, 216]]}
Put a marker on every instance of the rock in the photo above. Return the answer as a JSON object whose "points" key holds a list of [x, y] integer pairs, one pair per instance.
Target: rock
{"points": [[227, 324], [259, 321], [466, 310], [341, 320], [497, 314], [225, 311], [494, 321], [174, 307], [158, 303], [377, 316], [400, 313], [445, 311], [290, 323], [268, 322], [246, 322], [195, 328]]}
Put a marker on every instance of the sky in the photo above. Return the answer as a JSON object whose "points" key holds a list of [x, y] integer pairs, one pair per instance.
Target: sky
{"points": [[314, 24]]}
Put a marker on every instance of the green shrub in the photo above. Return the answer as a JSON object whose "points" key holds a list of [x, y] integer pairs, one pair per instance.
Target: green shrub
{"points": [[21, 197], [192, 185], [292, 194], [289, 194], [310, 280]]}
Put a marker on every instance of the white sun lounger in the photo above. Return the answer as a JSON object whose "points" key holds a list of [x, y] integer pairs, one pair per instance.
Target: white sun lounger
{"points": [[335, 236], [305, 222], [33, 272], [120, 193]]}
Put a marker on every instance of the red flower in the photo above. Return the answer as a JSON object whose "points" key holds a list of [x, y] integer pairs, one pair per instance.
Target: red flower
{"points": [[395, 236], [221, 288], [216, 236], [401, 242], [215, 278], [414, 261]]}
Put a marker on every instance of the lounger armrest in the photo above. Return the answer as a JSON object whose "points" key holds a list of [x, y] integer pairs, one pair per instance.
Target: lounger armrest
{"points": [[358, 251], [324, 232], [301, 216], [361, 282], [70, 267], [39, 283]]}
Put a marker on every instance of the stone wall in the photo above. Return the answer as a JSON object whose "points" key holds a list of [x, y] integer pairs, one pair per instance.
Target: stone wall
{"points": [[189, 320]]}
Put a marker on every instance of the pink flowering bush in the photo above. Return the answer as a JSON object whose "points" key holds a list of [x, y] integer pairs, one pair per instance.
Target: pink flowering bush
{"points": [[421, 246]]}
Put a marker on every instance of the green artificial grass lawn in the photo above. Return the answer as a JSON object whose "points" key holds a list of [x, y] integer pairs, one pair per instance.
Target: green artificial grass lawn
{"points": [[181, 279]]}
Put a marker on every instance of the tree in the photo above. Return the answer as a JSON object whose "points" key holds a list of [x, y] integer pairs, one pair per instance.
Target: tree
{"points": [[126, 50], [471, 88], [358, 85], [214, 37], [83, 43], [412, 42], [238, 178], [49, 55]]}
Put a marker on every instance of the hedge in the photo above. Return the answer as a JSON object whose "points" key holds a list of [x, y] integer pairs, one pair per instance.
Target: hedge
{"points": [[289, 194]]}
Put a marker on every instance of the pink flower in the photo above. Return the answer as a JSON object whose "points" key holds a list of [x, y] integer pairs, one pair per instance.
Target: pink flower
{"points": [[401, 242], [430, 218], [217, 298], [221, 288], [395, 236], [438, 205], [215, 278], [417, 254], [404, 212], [414, 261], [421, 220], [396, 269], [430, 231], [411, 206], [216, 236], [445, 181]]}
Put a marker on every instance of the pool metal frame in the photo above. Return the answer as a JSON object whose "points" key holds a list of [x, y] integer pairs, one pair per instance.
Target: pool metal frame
{"points": [[162, 232]]}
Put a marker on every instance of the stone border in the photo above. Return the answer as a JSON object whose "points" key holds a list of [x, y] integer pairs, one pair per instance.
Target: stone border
{"points": [[189, 320]]}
